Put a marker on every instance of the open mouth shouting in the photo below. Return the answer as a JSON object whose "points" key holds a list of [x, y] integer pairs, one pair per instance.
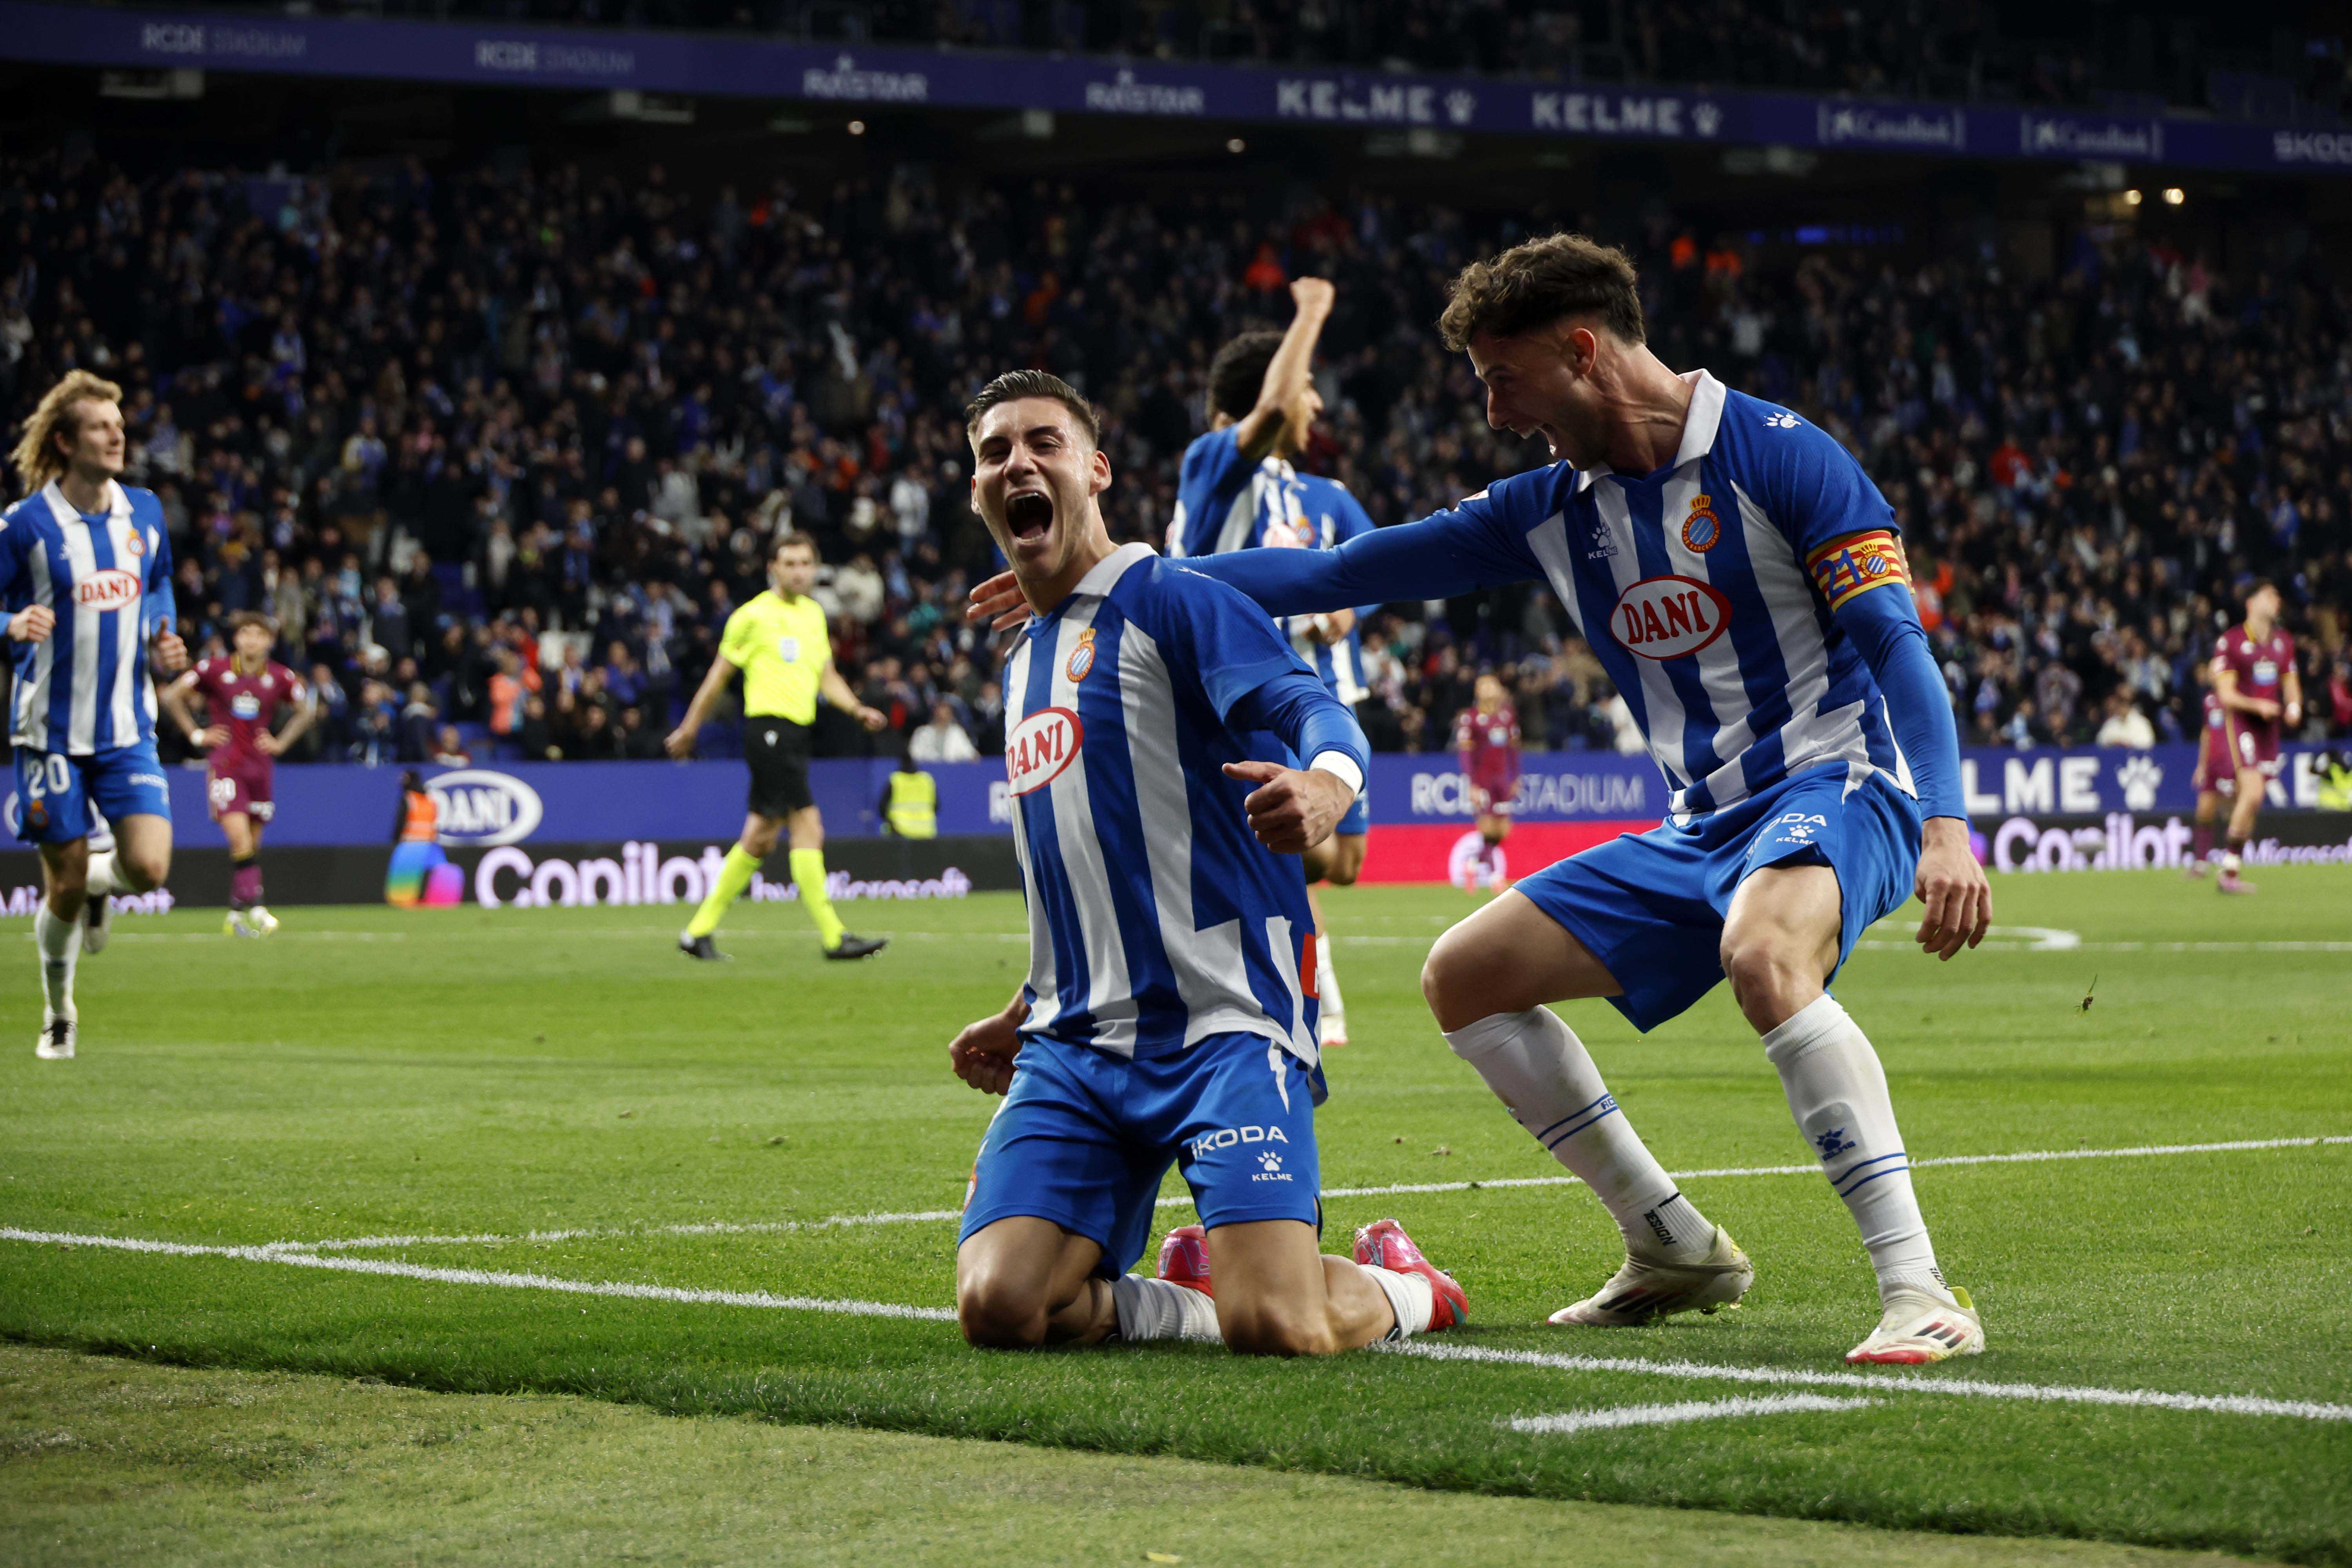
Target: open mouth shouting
{"points": [[1029, 517]]}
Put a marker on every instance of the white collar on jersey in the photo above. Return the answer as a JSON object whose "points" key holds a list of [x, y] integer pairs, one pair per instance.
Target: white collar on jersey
{"points": [[1699, 425], [118, 504], [1105, 575]]}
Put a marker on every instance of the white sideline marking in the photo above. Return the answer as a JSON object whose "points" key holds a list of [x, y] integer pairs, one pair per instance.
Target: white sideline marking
{"points": [[2224, 1404], [1569, 1421], [841, 1221], [486, 1277]]}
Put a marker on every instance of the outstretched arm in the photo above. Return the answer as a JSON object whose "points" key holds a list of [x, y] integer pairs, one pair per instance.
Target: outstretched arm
{"points": [[1294, 809], [1286, 374]]}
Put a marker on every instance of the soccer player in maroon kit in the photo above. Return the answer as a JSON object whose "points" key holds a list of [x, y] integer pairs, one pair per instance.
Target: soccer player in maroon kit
{"points": [[241, 694], [2256, 694], [1487, 737]]}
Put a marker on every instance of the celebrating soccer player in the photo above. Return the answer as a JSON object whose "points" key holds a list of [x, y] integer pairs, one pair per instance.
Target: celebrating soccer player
{"points": [[2256, 693], [241, 694], [1740, 578], [1168, 1016], [86, 567], [778, 639], [1237, 490]]}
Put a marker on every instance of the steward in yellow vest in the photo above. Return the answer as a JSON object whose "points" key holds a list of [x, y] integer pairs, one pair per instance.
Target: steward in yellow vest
{"points": [[911, 804]]}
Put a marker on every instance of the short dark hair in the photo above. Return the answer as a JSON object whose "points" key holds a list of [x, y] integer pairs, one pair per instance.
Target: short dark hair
{"points": [[1014, 384], [1238, 372], [790, 539], [1541, 282], [241, 619], [2256, 586]]}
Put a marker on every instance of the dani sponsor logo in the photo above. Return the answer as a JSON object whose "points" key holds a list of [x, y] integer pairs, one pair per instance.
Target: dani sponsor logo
{"points": [[1040, 747], [1669, 618], [108, 590], [482, 808]]}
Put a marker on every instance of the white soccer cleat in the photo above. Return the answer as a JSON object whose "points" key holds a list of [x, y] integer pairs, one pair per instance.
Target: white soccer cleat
{"points": [[263, 922], [233, 924], [55, 1043], [1917, 1329], [97, 923], [1643, 1292]]}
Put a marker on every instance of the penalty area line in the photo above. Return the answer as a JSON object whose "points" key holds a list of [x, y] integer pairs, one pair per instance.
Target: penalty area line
{"points": [[1569, 1421], [1686, 1371], [2042, 1393], [623, 1289]]}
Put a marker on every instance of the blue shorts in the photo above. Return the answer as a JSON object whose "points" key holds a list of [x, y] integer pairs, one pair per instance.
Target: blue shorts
{"points": [[55, 791], [1651, 906], [1358, 815], [1083, 1138]]}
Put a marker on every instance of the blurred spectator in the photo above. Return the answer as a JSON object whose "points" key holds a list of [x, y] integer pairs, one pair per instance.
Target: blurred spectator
{"points": [[943, 739]]}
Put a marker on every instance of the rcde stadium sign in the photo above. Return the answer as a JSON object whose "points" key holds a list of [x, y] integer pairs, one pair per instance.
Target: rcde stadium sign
{"points": [[734, 65]]}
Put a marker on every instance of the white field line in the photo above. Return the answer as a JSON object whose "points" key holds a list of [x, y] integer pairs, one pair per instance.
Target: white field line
{"points": [[2058, 1394], [2225, 1403], [921, 1216], [486, 1277], [1568, 1421]]}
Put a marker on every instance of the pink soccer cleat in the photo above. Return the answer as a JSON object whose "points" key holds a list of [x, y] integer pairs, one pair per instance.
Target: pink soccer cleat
{"points": [[1384, 1245], [2231, 882], [1185, 1259]]}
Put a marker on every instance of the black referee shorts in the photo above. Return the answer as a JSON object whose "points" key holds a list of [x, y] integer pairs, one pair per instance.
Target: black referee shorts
{"points": [[778, 750]]}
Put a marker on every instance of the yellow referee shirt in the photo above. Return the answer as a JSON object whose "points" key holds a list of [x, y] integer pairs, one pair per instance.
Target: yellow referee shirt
{"points": [[781, 649]]}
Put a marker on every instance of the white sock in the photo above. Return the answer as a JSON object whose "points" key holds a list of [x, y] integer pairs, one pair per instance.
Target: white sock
{"points": [[1837, 1091], [1151, 1309], [1327, 980], [104, 878], [60, 944], [1412, 1298], [1545, 1078]]}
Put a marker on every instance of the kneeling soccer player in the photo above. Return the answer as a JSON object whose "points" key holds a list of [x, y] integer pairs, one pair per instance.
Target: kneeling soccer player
{"points": [[1164, 1020]]}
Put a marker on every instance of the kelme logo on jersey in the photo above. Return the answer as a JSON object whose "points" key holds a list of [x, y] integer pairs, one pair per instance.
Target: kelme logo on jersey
{"points": [[1701, 531], [1040, 747], [1669, 618], [1082, 658], [108, 590], [486, 808]]}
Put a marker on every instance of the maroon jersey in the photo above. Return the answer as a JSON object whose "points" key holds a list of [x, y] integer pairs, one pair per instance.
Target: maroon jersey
{"points": [[245, 703], [2260, 667], [1489, 748]]}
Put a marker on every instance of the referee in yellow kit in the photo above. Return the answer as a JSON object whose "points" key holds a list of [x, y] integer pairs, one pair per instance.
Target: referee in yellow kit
{"points": [[778, 641]]}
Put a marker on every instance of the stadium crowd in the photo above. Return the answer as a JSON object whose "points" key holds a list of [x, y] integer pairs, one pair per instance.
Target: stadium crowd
{"points": [[501, 452]]}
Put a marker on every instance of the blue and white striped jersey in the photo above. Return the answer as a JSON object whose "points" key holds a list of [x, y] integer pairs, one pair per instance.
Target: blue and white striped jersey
{"points": [[1155, 917], [1327, 515], [1728, 594], [1224, 501], [106, 577]]}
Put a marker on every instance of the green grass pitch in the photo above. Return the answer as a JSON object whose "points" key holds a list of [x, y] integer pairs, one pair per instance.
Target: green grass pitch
{"points": [[460, 1084]]}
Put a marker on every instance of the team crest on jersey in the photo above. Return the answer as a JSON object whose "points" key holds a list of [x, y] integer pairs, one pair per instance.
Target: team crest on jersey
{"points": [[1701, 531], [1082, 658], [1041, 747], [108, 590], [136, 543], [1669, 618]]}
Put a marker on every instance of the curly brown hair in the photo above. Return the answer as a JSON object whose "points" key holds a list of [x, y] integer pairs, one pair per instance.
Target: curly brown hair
{"points": [[1541, 282]]}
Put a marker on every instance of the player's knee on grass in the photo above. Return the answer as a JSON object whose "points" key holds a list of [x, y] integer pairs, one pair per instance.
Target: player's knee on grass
{"points": [[996, 1311], [1274, 1326]]}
